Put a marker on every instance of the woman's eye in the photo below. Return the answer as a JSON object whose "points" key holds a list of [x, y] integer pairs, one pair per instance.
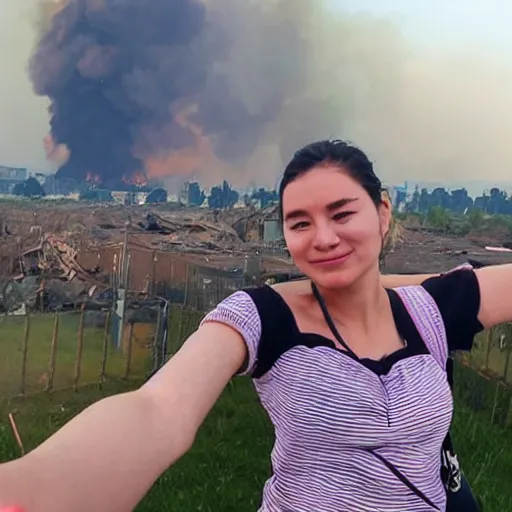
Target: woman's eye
{"points": [[300, 225], [342, 215]]}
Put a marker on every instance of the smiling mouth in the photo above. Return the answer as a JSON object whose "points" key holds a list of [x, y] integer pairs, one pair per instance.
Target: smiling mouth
{"points": [[332, 261]]}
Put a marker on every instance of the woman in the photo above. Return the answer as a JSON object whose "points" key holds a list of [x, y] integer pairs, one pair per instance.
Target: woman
{"points": [[359, 400]]}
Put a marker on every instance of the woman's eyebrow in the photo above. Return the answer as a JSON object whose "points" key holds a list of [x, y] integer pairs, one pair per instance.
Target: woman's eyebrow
{"points": [[340, 203]]}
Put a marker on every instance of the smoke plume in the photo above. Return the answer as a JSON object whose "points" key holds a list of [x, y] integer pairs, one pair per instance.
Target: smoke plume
{"points": [[134, 83], [230, 88]]}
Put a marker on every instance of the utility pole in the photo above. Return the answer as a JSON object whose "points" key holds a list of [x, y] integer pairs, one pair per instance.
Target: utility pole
{"points": [[121, 290]]}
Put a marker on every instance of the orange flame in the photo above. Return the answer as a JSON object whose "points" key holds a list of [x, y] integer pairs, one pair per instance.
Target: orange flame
{"points": [[139, 180], [57, 154], [92, 178]]}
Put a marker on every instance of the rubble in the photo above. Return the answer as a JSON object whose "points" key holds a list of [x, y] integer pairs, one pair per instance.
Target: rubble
{"points": [[62, 255], [58, 256]]}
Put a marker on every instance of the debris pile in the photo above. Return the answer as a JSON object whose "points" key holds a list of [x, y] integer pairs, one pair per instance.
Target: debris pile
{"points": [[58, 256], [191, 234]]}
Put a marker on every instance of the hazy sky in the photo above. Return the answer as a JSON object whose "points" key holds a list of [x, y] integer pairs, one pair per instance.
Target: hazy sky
{"points": [[23, 117], [432, 24], [444, 22]]}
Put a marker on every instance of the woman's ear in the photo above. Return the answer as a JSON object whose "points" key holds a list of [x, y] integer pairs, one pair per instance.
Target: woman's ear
{"points": [[385, 214]]}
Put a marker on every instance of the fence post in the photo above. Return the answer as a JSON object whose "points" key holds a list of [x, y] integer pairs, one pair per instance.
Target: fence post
{"points": [[53, 353], [187, 278], [489, 339], [24, 354], [79, 348], [105, 349], [157, 340], [129, 352], [495, 403], [41, 296], [508, 419], [507, 361], [184, 303]]}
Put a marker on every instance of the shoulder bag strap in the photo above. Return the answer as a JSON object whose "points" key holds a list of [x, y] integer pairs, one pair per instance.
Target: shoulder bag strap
{"points": [[428, 320], [388, 464]]}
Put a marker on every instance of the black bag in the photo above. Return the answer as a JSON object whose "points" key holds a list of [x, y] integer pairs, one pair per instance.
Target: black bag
{"points": [[459, 495]]}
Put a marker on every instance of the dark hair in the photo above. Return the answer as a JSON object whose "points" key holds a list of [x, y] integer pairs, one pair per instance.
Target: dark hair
{"points": [[336, 153]]}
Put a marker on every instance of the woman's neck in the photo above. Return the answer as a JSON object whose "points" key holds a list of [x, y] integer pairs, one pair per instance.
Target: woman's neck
{"points": [[360, 303]]}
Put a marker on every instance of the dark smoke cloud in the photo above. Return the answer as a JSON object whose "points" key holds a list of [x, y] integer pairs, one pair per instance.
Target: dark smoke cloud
{"points": [[112, 70], [118, 73], [230, 88]]}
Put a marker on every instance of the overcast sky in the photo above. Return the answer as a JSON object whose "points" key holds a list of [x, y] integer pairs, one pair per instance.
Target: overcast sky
{"points": [[444, 21], [431, 23], [23, 117]]}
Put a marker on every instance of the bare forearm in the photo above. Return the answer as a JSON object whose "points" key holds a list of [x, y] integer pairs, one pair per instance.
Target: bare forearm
{"points": [[397, 280], [104, 459], [108, 456]]}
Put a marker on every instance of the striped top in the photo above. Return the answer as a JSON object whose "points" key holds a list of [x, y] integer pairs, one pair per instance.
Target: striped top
{"points": [[327, 407]]}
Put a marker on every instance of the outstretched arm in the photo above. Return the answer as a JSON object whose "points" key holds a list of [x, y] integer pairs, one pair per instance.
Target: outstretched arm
{"points": [[495, 283], [495, 294], [108, 457]]}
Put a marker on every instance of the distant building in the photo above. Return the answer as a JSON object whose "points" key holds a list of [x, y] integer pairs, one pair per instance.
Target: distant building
{"points": [[13, 173], [272, 230], [11, 176], [399, 195]]}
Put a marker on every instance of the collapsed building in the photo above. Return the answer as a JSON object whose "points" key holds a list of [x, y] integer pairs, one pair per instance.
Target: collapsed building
{"points": [[148, 252]]}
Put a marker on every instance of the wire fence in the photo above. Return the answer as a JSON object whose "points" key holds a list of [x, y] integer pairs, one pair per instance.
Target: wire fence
{"points": [[48, 351], [484, 376], [51, 351]]}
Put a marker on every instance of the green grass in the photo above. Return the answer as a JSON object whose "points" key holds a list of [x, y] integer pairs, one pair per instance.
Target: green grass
{"points": [[229, 463], [12, 334]]}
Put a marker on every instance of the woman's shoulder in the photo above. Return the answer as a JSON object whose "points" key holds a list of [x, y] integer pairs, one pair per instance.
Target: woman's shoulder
{"points": [[457, 295]]}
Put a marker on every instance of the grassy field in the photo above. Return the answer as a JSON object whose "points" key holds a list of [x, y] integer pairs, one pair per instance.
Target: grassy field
{"points": [[226, 469], [41, 330], [229, 463]]}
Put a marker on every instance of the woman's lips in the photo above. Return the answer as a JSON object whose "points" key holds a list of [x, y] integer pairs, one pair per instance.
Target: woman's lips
{"points": [[331, 261]]}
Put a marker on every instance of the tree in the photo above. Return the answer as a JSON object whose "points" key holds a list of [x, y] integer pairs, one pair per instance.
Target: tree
{"points": [[157, 195], [195, 196], [265, 197], [440, 197], [222, 196], [414, 204], [424, 201], [476, 218], [460, 200], [29, 188], [439, 218]]}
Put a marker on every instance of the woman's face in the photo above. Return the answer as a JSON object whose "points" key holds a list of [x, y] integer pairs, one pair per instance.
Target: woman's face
{"points": [[332, 228]]}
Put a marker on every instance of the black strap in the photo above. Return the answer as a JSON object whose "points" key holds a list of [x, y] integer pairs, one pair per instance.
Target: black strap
{"points": [[329, 320], [447, 443], [403, 478], [388, 464]]}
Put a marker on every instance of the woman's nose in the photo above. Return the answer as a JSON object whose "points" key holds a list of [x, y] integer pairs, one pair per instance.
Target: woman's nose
{"points": [[326, 237]]}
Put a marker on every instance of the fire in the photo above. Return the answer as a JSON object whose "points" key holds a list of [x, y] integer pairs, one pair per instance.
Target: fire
{"points": [[92, 178], [138, 179], [58, 154], [186, 162]]}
